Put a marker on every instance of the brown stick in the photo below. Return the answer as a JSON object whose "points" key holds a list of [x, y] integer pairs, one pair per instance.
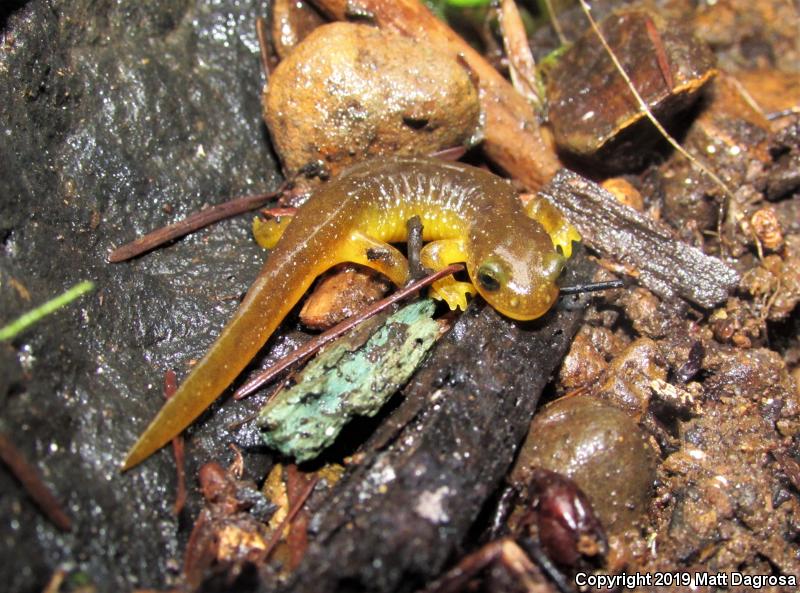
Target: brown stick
{"points": [[521, 64], [32, 483], [170, 387], [337, 330], [647, 250], [297, 538], [191, 223], [297, 506], [512, 137]]}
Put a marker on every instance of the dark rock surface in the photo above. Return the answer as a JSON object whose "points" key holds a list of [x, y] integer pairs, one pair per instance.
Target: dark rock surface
{"points": [[111, 110]]}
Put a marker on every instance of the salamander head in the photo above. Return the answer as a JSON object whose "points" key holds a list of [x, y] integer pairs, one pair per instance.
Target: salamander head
{"points": [[516, 269]]}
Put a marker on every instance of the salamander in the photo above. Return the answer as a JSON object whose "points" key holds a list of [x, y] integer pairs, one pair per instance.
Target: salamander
{"points": [[513, 255]]}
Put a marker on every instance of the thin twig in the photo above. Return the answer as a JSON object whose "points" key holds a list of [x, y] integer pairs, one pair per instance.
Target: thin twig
{"points": [[277, 535], [337, 330], [33, 485], [591, 287], [27, 319], [191, 223], [261, 31], [521, 64], [697, 163], [414, 246], [170, 387]]}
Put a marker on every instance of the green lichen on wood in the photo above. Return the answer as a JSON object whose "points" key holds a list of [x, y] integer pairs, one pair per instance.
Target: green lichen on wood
{"points": [[352, 377]]}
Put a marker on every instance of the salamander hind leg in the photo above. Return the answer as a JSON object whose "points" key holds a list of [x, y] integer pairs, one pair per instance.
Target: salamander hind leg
{"points": [[561, 232], [375, 254], [268, 232], [440, 254]]}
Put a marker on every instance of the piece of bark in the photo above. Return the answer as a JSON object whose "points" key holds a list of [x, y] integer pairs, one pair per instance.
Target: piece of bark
{"points": [[354, 376], [396, 518], [592, 111], [511, 137], [662, 263]]}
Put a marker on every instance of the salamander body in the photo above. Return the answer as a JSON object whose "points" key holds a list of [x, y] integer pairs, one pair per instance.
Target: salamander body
{"points": [[513, 255]]}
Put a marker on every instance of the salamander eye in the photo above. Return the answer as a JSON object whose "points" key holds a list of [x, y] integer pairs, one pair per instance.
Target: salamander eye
{"points": [[490, 276]]}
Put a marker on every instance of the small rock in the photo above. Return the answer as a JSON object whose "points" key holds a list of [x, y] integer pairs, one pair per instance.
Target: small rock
{"points": [[602, 449], [344, 292], [349, 92]]}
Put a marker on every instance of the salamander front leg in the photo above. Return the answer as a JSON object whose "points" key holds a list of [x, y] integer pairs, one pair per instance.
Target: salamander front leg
{"points": [[440, 254], [561, 232], [375, 254]]}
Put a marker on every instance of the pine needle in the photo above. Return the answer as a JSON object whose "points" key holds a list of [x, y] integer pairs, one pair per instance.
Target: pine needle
{"points": [[646, 110]]}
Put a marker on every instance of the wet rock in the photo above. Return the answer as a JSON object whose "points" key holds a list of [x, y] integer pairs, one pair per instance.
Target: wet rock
{"points": [[602, 449], [108, 112], [349, 92]]}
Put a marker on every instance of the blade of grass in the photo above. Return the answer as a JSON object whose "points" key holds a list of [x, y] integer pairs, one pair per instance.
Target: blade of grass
{"points": [[24, 321]]}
